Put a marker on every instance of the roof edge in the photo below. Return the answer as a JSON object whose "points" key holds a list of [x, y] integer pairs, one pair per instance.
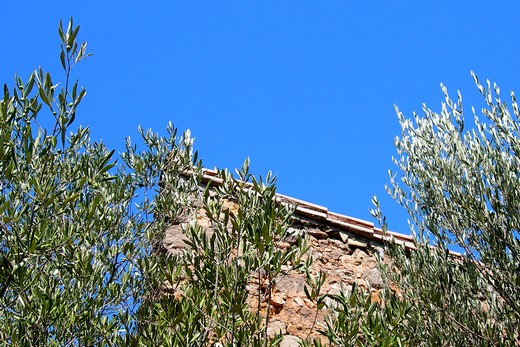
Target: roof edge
{"points": [[322, 215]]}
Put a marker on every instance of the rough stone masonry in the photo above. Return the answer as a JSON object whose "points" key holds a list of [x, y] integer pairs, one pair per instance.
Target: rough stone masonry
{"points": [[344, 248]]}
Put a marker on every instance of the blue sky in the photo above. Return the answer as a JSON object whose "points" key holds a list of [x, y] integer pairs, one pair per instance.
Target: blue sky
{"points": [[305, 89]]}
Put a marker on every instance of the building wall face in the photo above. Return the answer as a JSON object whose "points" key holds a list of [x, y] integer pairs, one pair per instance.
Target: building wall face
{"points": [[344, 256]]}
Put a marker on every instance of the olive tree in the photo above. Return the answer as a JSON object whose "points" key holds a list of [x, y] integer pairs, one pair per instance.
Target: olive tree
{"points": [[460, 185], [81, 261], [72, 242], [218, 290]]}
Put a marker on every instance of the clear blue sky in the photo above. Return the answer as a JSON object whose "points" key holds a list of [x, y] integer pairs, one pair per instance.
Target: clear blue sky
{"points": [[305, 89]]}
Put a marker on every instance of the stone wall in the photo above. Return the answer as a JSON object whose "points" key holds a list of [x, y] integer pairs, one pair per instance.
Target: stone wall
{"points": [[344, 248], [344, 258]]}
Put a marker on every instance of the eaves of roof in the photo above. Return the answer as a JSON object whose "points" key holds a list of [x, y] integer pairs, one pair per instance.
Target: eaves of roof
{"points": [[323, 216]]}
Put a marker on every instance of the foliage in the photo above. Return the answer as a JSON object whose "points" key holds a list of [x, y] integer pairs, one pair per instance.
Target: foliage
{"points": [[71, 243], [65, 226], [80, 253], [461, 188], [358, 319], [211, 284]]}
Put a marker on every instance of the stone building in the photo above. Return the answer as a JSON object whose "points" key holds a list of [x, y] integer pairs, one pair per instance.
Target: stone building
{"points": [[346, 249]]}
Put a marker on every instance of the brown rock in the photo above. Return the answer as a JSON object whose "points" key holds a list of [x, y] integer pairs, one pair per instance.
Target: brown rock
{"points": [[202, 220], [356, 244], [336, 254], [317, 233], [291, 239], [291, 306], [286, 268], [299, 301], [290, 341], [337, 244], [284, 245], [277, 300], [343, 237], [359, 257], [333, 233], [293, 235], [375, 296], [276, 328], [291, 283], [375, 279], [307, 312], [324, 260], [174, 240]]}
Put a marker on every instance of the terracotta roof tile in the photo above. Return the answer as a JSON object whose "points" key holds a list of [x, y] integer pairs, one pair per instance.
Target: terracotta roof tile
{"points": [[322, 215]]}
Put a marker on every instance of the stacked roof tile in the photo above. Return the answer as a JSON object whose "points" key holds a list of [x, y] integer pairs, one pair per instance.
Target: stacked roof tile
{"points": [[323, 216]]}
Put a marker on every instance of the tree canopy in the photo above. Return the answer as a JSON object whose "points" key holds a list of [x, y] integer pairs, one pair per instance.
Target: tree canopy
{"points": [[459, 183], [81, 262]]}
